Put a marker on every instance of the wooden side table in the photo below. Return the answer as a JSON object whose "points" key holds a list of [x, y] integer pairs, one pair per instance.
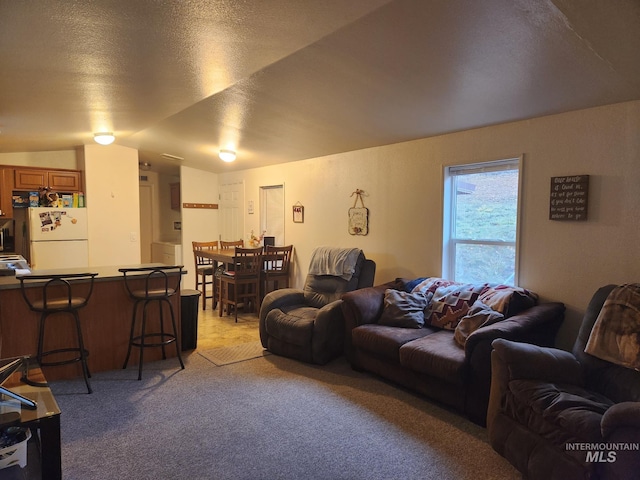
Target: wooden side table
{"points": [[45, 417]]}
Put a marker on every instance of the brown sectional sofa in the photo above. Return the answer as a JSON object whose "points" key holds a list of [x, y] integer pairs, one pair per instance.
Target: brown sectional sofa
{"points": [[428, 359]]}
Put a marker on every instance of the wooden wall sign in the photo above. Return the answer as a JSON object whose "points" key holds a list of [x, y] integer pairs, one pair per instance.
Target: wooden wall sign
{"points": [[200, 205], [569, 198]]}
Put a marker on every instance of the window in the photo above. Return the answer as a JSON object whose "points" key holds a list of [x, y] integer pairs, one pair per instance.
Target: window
{"points": [[481, 222]]}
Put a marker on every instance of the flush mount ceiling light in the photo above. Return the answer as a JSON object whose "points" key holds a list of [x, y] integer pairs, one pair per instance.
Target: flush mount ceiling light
{"points": [[104, 138], [144, 166], [227, 155]]}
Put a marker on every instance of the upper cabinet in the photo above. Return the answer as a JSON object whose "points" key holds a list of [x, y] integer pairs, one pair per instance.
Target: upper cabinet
{"points": [[57, 180], [6, 183]]}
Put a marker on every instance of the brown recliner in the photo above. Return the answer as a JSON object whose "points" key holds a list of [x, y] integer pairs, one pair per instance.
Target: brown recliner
{"points": [[560, 415], [308, 324]]}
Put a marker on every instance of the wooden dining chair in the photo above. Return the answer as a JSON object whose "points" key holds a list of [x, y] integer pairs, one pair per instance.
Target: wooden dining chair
{"points": [[224, 245], [275, 274], [242, 285], [204, 271]]}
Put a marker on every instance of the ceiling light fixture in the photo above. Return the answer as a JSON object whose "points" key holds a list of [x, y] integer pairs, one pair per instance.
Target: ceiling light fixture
{"points": [[104, 138], [145, 166], [227, 155]]}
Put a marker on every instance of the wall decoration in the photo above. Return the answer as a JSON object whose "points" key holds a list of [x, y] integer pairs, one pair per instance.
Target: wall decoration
{"points": [[569, 198], [298, 213], [358, 216]]}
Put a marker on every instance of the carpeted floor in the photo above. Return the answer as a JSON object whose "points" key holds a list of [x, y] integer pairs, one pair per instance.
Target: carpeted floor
{"points": [[266, 418], [235, 353]]}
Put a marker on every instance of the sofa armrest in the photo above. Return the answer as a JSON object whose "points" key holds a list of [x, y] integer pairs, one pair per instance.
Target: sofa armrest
{"points": [[361, 307], [277, 299], [532, 362], [537, 325]]}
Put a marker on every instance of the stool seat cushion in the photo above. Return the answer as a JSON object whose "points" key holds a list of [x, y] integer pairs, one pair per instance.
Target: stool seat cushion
{"points": [[59, 303], [154, 293]]}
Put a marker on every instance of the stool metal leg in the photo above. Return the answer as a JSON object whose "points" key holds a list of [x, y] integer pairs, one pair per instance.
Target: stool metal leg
{"points": [[175, 335], [83, 352], [133, 325]]}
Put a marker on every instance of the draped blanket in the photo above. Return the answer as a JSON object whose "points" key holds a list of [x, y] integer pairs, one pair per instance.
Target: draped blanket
{"points": [[339, 262], [616, 332]]}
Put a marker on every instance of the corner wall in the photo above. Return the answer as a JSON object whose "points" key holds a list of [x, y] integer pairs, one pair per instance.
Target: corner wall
{"points": [[561, 261], [113, 204]]}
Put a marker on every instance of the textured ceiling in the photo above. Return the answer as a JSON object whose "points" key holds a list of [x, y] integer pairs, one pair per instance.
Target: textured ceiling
{"points": [[284, 80]]}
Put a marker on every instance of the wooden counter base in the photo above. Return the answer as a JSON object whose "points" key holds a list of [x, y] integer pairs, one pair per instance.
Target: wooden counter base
{"points": [[106, 322]]}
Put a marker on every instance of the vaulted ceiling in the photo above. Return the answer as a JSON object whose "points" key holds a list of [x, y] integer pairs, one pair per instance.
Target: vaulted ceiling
{"points": [[285, 80]]}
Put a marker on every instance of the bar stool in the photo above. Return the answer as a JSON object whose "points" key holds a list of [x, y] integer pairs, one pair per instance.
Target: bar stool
{"points": [[204, 269], [58, 295], [148, 285]]}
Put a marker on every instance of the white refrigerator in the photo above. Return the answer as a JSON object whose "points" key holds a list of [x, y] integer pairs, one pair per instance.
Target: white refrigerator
{"points": [[58, 238]]}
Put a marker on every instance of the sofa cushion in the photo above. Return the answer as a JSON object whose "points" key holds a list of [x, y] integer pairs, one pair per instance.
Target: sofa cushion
{"points": [[450, 303], [402, 309], [561, 413], [385, 341], [437, 355], [291, 325], [478, 316], [508, 300]]}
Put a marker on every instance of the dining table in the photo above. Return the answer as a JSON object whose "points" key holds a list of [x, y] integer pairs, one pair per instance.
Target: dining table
{"points": [[223, 258]]}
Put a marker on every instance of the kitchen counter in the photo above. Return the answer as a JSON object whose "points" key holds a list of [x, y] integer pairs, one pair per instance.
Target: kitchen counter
{"points": [[105, 273], [106, 321]]}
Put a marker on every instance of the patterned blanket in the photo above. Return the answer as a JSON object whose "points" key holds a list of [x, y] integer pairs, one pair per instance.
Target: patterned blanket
{"points": [[616, 332]]}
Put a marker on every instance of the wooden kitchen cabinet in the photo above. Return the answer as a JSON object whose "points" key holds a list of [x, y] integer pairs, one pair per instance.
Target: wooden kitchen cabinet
{"points": [[57, 180], [6, 191]]}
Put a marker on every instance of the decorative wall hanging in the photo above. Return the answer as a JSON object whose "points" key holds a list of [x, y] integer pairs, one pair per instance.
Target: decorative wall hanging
{"points": [[358, 216], [298, 213], [569, 198]]}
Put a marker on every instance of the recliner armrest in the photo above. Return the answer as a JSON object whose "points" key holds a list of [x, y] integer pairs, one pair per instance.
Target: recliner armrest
{"points": [[532, 362], [281, 298], [277, 299], [621, 415]]}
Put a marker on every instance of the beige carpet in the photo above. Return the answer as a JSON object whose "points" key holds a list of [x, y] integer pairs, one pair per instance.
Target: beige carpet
{"points": [[237, 353]]}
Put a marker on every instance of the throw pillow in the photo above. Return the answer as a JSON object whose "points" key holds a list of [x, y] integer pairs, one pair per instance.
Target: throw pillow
{"points": [[478, 316], [451, 303], [402, 309], [508, 300]]}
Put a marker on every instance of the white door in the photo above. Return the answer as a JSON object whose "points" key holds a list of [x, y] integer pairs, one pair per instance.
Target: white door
{"points": [[272, 212], [231, 217]]}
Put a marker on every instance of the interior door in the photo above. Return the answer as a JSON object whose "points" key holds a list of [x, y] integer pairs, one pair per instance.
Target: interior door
{"points": [[230, 209], [272, 212]]}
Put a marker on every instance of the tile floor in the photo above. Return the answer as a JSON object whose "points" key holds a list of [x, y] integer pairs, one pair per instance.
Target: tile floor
{"points": [[215, 331]]}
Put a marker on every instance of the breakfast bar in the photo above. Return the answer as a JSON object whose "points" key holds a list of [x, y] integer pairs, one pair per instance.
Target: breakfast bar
{"points": [[106, 322]]}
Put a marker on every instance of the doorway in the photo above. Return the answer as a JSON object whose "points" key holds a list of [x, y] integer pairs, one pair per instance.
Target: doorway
{"points": [[272, 212], [146, 222]]}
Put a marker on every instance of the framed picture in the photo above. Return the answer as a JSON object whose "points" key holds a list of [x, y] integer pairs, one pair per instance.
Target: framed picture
{"points": [[298, 213]]}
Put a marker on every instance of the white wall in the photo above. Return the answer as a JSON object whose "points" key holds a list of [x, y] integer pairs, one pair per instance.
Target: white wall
{"points": [[198, 224], [54, 159], [561, 261], [113, 204]]}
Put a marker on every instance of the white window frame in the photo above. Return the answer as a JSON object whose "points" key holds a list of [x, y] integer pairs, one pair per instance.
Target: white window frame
{"points": [[450, 242]]}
